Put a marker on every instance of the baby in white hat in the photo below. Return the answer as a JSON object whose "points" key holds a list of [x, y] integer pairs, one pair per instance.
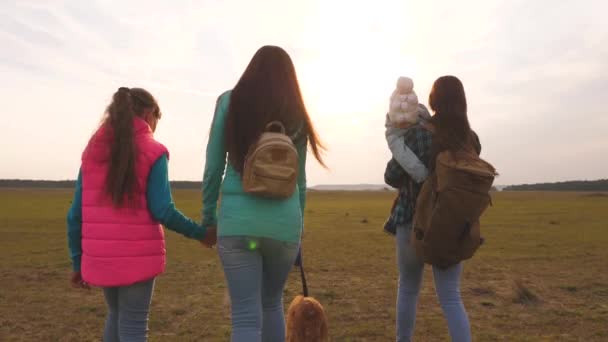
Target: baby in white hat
{"points": [[405, 111]]}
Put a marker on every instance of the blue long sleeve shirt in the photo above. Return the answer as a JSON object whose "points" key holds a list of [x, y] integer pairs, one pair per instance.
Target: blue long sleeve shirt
{"points": [[160, 204]]}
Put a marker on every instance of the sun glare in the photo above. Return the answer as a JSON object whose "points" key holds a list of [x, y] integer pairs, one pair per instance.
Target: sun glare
{"points": [[351, 86], [351, 69]]}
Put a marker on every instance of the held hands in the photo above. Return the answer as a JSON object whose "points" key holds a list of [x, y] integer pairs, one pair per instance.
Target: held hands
{"points": [[210, 237], [77, 282]]}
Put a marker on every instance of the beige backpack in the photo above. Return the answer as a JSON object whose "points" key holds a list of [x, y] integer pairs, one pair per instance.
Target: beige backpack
{"points": [[271, 165]]}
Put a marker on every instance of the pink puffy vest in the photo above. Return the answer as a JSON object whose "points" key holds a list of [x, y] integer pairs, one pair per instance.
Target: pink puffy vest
{"points": [[120, 246]]}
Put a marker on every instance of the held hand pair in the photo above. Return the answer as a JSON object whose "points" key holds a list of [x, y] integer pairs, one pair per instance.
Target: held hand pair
{"points": [[210, 237]]}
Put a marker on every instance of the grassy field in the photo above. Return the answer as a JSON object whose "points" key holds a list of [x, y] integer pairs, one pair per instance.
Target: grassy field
{"points": [[541, 276]]}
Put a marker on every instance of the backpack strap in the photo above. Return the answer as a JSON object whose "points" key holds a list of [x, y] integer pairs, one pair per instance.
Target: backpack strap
{"points": [[298, 134], [432, 177], [410, 194]]}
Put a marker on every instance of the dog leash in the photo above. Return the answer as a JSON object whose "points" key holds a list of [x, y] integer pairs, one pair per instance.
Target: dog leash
{"points": [[304, 286]]}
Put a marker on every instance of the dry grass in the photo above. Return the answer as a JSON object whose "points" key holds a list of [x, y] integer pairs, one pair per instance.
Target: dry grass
{"points": [[553, 244], [523, 294]]}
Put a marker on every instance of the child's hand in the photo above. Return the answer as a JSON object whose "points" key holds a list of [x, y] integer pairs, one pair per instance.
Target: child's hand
{"points": [[210, 237], [77, 282]]}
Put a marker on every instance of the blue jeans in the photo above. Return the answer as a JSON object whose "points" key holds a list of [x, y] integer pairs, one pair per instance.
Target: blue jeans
{"points": [[447, 288], [128, 308], [256, 270]]}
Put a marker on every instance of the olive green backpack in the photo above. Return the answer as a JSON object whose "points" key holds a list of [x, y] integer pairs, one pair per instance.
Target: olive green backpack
{"points": [[446, 228]]}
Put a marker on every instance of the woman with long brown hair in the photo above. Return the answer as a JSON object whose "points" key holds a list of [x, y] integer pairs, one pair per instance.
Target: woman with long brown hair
{"points": [[122, 197], [258, 238], [448, 129]]}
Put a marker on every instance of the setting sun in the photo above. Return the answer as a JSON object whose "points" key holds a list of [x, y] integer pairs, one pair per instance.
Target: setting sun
{"points": [[351, 66]]}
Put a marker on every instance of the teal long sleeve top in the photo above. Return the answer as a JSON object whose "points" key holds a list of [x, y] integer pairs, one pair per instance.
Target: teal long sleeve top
{"points": [[160, 204], [242, 214]]}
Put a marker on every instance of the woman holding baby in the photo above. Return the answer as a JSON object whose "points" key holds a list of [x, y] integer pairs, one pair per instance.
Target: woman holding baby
{"points": [[415, 139]]}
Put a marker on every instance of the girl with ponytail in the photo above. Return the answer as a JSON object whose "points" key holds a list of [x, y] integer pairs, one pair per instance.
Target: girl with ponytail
{"points": [[122, 198]]}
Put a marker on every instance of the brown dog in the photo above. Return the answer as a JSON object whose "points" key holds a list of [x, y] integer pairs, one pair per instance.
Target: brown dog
{"points": [[306, 321]]}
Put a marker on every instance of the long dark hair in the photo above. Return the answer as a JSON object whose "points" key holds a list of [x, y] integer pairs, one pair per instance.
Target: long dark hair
{"points": [[267, 91], [121, 180], [451, 123]]}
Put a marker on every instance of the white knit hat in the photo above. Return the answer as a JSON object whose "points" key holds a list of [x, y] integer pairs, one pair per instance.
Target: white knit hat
{"points": [[404, 102]]}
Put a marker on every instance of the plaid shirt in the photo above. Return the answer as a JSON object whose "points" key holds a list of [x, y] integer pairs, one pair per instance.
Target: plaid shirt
{"points": [[419, 140]]}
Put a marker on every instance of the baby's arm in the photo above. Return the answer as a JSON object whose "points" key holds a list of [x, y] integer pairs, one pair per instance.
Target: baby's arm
{"points": [[404, 156]]}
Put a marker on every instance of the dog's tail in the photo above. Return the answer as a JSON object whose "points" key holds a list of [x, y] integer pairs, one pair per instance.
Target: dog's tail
{"points": [[312, 311]]}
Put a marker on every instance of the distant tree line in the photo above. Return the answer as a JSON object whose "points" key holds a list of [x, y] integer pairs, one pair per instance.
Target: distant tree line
{"points": [[186, 185], [595, 185], [47, 184], [26, 183]]}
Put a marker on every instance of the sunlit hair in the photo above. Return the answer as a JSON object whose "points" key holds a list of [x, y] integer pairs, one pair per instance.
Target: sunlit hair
{"points": [[267, 91], [121, 181], [452, 129]]}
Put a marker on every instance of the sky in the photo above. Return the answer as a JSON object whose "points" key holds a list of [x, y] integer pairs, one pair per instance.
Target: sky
{"points": [[535, 74]]}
